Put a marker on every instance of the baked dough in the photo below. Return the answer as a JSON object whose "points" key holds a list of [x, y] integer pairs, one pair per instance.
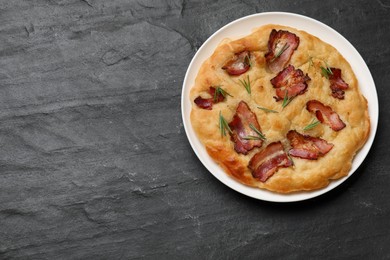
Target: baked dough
{"points": [[311, 54]]}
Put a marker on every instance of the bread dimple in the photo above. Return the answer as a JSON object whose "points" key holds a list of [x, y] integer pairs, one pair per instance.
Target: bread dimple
{"points": [[309, 56]]}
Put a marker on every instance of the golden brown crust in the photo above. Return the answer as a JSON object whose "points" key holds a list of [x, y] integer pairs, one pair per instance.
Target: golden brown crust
{"points": [[310, 55]]}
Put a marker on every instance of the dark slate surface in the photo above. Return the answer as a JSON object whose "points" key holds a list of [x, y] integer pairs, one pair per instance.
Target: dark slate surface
{"points": [[94, 160]]}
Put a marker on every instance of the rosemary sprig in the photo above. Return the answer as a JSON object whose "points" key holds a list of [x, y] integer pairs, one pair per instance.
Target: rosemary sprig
{"points": [[326, 71], [286, 100], [252, 137], [247, 60], [219, 90], [267, 110], [223, 125], [289, 157], [313, 124], [261, 135], [246, 84], [283, 49]]}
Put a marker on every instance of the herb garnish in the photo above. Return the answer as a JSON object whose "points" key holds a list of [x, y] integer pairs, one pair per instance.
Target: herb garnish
{"points": [[313, 124], [326, 71], [252, 137], [223, 125], [260, 136], [218, 91], [246, 84], [247, 60], [267, 110], [284, 48], [286, 99], [289, 157]]}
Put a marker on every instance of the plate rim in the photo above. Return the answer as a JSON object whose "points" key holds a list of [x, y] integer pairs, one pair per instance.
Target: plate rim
{"points": [[273, 196]]}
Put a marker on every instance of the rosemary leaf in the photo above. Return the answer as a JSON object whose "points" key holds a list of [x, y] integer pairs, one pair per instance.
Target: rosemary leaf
{"points": [[289, 157], [219, 90], [216, 94], [286, 100], [284, 48], [261, 135], [227, 126], [248, 60], [267, 110], [313, 124], [252, 137], [223, 125], [326, 71], [247, 84]]}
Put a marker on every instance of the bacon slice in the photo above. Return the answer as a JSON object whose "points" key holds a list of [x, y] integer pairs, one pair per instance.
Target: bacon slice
{"points": [[239, 64], [266, 162], [281, 46], [291, 80], [337, 84], [325, 114], [207, 103], [307, 147], [240, 126]]}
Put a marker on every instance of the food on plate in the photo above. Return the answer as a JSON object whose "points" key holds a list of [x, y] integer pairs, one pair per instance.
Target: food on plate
{"points": [[281, 46], [280, 110], [245, 129], [238, 64], [216, 95], [325, 114], [289, 83], [306, 146], [337, 84], [266, 162]]}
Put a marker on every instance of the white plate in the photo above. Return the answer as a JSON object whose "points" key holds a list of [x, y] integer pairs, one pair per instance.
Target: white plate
{"points": [[243, 27]]}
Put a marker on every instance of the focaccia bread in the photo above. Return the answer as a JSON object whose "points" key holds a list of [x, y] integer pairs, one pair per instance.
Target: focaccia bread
{"points": [[279, 110]]}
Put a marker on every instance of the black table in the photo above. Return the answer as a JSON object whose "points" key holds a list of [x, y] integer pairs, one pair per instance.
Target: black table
{"points": [[94, 160]]}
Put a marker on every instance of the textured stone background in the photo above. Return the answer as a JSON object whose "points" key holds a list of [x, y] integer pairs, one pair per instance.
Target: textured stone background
{"points": [[94, 161]]}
